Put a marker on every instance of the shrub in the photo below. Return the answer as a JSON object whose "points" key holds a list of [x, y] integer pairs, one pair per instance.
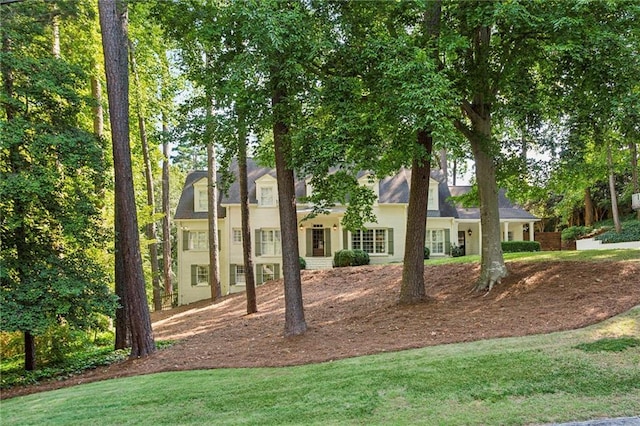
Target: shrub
{"points": [[361, 257], [343, 258], [456, 251], [574, 232], [350, 258], [520, 246], [630, 232], [427, 252], [303, 263]]}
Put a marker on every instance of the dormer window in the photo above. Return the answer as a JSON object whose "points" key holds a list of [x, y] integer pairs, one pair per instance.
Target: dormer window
{"points": [[433, 203], [200, 197], [266, 191], [267, 196]]}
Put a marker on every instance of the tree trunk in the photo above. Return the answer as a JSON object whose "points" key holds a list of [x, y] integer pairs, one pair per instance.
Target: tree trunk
{"points": [[113, 21], [294, 311], [212, 199], [150, 228], [612, 189], [121, 323], [633, 149], [588, 207], [250, 282], [29, 351], [166, 210], [55, 24], [412, 289]]}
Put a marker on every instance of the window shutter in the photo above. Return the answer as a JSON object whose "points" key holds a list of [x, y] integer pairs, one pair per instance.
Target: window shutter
{"points": [[259, 273], [219, 240], [258, 243], [276, 271], [447, 242], [327, 242], [309, 242], [390, 241], [345, 239], [232, 274], [194, 274], [185, 240]]}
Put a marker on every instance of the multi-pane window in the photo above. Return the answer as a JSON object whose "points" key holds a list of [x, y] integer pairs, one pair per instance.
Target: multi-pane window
{"points": [[199, 275], [270, 242], [268, 272], [236, 236], [267, 196], [198, 240], [435, 241], [240, 277], [201, 200], [432, 202], [373, 241]]}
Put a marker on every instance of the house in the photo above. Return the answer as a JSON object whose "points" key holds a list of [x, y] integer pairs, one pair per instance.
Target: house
{"points": [[322, 236]]}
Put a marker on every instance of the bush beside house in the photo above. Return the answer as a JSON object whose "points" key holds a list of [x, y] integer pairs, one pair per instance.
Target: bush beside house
{"points": [[520, 246], [350, 258]]}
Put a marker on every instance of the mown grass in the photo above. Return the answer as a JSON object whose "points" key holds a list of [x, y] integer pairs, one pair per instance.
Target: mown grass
{"points": [[536, 379], [618, 255]]}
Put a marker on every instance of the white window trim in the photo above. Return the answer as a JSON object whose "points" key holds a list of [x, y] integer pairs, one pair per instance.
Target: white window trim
{"points": [[275, 244], [235, 232], [375, 232], [193, 239], [244, 280], [198, 270], [200, 198], [430, 243], [274, 197]]}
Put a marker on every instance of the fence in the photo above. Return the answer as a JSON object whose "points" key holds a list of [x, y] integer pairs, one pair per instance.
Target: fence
{"points": [[169, 300]]}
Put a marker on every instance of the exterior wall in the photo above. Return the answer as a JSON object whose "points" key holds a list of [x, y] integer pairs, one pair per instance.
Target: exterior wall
{"points": [[188, 293]]}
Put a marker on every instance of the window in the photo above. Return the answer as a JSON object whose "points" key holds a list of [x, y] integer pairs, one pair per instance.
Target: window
{"points": [[236, 235], [267, 272], [199, 275], [240, 278], [433, 198], [270, 242], [509, 236], [267, 196], [373, 241], [198, 240], [435, 241], [201, 199]]}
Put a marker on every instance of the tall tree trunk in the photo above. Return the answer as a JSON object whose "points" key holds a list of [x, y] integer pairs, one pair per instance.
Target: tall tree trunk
{"points": [[588, 207], [250, 282], [150, 228], [633, 149], [29, 351], [212, 199], [295, 323], [55, 24], [113, 24], [612, 190], [412, 289], [166, 210], [444, 166], [121, 323]]}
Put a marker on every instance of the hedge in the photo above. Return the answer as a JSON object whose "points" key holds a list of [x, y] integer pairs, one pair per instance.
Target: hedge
{"points": [[520, 246], [630, 232]]}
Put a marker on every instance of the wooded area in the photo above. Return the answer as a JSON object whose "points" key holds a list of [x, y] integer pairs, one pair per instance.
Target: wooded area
{"points": [[542, 98]]}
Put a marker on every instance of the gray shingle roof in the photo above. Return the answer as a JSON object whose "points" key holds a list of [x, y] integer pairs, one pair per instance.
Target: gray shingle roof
{"points": [[506, 208], [393, 190]]}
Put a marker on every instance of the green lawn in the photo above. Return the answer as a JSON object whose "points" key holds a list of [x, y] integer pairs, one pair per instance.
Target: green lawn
{"points": [[540, 256], [565, 376]]}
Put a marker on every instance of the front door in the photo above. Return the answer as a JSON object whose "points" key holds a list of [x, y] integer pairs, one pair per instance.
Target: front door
{"points": [[318, 242], [462, 241]]}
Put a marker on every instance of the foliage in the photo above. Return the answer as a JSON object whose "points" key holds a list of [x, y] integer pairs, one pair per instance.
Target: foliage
{"points": [[575, 232], [456, 251], [348, 257], [630, 232], [542, 379], [427, 252], [520, 246], [303, 263], [610, 344], [52, 184]]}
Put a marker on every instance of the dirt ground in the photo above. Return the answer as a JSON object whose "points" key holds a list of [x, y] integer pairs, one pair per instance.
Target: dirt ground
{"points": [[354, 311]]}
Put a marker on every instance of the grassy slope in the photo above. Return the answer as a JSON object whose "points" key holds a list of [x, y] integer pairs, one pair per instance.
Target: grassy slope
{"points": [[535, 379]]}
